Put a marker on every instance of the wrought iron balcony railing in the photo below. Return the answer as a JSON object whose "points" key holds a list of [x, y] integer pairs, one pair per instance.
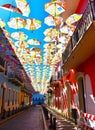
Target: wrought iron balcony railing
{"points": [[82, 27], [2, 63], [15, 79]]}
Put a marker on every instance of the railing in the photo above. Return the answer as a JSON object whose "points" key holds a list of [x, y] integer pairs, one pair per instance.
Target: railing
{"points": [[15, 78], [83, 25]]}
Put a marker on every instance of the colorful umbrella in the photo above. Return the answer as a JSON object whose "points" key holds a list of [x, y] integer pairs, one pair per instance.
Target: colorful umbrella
{"points": [[19, 36], [51, 32], [53, 21], [2, 23], [24, 7], [33, 24], [67, 29], [17, 23], [64, 39], [22, 44], [33, 42], [49, 39], [36, 49], [73, 19], [55, 8], [11, 8]]}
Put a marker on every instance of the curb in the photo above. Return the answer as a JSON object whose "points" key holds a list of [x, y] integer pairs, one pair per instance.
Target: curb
{"points": [[44, 120], [11, 117]]}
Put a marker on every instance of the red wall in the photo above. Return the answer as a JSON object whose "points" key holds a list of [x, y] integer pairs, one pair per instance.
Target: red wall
{"points": [[88, 67], [82, 6], [70, 77]]}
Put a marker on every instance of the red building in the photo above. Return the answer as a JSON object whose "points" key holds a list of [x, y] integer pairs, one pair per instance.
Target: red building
{"points": [[77, 93]]}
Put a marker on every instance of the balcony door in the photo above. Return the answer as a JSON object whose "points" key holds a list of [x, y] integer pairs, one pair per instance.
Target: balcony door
{"points": [[81, 91]]}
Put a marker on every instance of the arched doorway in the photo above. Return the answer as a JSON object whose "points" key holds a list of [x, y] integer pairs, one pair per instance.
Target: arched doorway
{"points": [[81, 91]]}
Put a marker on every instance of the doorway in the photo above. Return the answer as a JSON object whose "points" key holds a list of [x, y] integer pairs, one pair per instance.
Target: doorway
{"points": [[81, 91]]}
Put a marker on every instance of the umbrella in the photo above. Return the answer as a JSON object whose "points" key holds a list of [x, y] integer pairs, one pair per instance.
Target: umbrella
{"points": [[33, 42], [22, 44], [64, 39], [55, 8], [50, 39], [48, 46], [11, 8], [73, 19], [17, 23], [51, 32], [53, 21], [36, 49], [32, 24], [67, 29], [19, 36], [2, 23], [24, 7]]}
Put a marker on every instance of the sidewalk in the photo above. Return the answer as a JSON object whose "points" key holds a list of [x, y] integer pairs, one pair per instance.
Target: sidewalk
{"points": [[61, 122]]}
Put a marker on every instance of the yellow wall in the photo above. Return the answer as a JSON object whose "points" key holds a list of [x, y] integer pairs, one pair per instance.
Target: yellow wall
{"points": [[0, 102], [27, 99], [21, 97]]}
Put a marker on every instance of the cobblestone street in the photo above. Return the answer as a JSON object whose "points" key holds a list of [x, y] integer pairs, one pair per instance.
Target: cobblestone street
{"points": [[29, 120]]}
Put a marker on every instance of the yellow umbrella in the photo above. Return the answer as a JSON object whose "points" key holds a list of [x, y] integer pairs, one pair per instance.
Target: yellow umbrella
{"points": [[73, 19]]}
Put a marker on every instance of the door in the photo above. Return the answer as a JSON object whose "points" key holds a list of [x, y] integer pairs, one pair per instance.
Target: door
{"points": [[81, 94]]}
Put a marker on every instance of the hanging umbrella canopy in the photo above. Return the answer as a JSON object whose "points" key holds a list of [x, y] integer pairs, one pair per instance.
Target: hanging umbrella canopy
{"points": [[51, 35], [24, 7], [11, 8], [33, 24], [51, 32], [73, 19], [48, 46], [29, 24], [17, 23], [53, 20], [55, 8], [36, 49], [19, 36], [67, 29], [2, 23], [64, 39], [22, 44], [33, 42], [49, 39]]}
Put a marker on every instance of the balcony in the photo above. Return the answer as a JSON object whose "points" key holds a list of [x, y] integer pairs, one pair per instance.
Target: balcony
{"points": [[2, 63], [15, 79], [82, 44], [25, 89]]}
